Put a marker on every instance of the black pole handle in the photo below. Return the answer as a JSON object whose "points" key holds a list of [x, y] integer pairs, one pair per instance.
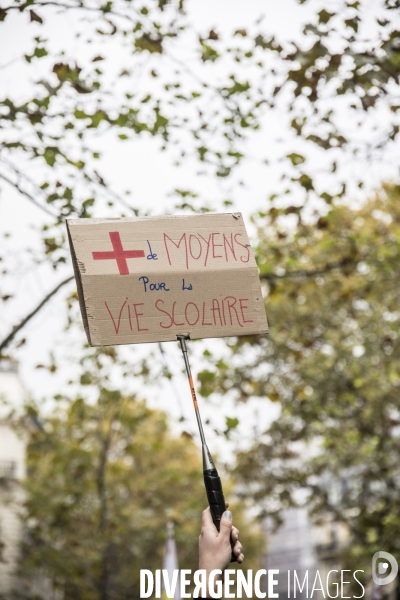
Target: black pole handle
{"points": [[216, 499]]}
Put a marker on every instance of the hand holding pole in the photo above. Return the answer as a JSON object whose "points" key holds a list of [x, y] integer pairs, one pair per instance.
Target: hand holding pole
{"points": [[212, 481]]}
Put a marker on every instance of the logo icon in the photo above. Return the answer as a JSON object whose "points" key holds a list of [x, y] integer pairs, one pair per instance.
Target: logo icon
{"points": [[380, 573]]}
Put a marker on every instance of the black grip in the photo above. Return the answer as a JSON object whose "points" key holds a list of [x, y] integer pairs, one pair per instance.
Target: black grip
{"points": [[216, 499]]}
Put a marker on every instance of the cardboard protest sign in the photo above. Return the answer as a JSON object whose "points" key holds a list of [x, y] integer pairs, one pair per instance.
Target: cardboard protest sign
{"points": [[150, 279]]}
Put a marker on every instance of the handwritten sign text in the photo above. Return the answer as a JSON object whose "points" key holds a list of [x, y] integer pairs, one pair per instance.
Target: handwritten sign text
{"points": [[147, 280]]}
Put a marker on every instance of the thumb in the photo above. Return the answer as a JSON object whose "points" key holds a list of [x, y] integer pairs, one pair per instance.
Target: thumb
{"points": [[206, 519], [226, 525]]}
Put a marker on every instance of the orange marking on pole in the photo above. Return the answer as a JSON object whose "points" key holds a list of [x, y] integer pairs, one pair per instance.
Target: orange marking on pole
{"points": [[193, 392]]}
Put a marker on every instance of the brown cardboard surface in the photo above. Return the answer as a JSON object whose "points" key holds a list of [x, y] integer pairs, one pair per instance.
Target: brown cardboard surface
{"points": [[150, 279]]}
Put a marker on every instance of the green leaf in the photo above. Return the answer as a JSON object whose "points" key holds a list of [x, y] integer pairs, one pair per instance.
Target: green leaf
{"points": [[237, 87], [107, 7], [50, 155], [231, 423], [150, 43], [353, 23], [87, 203], [80, 114], [296, 159], [202, 151], [39, 52], [208, 53], [35, 17], [324, 16]]}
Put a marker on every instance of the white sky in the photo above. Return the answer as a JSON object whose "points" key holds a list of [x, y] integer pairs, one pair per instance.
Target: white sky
{"points": [[141, 167]]}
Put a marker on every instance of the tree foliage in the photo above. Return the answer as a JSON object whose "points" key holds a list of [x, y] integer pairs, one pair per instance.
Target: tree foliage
{"points": [[334, 89], [105, 476], [332, 364]]}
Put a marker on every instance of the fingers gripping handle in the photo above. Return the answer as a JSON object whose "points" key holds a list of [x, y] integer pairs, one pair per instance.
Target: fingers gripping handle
{"points": [[216, 499], [215, 495]]}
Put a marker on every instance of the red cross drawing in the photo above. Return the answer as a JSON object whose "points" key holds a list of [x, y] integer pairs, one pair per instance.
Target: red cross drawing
{"points": [[119, 254]]}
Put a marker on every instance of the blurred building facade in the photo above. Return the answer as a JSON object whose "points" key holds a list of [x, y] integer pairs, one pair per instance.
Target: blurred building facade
{"points": [[12, 473], [298, 545], [298, 548]]}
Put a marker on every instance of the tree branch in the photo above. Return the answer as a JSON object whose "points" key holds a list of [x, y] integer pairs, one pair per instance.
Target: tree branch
{"points": [[28, 317], [311, 272], [28, 195], [79, 6]]}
